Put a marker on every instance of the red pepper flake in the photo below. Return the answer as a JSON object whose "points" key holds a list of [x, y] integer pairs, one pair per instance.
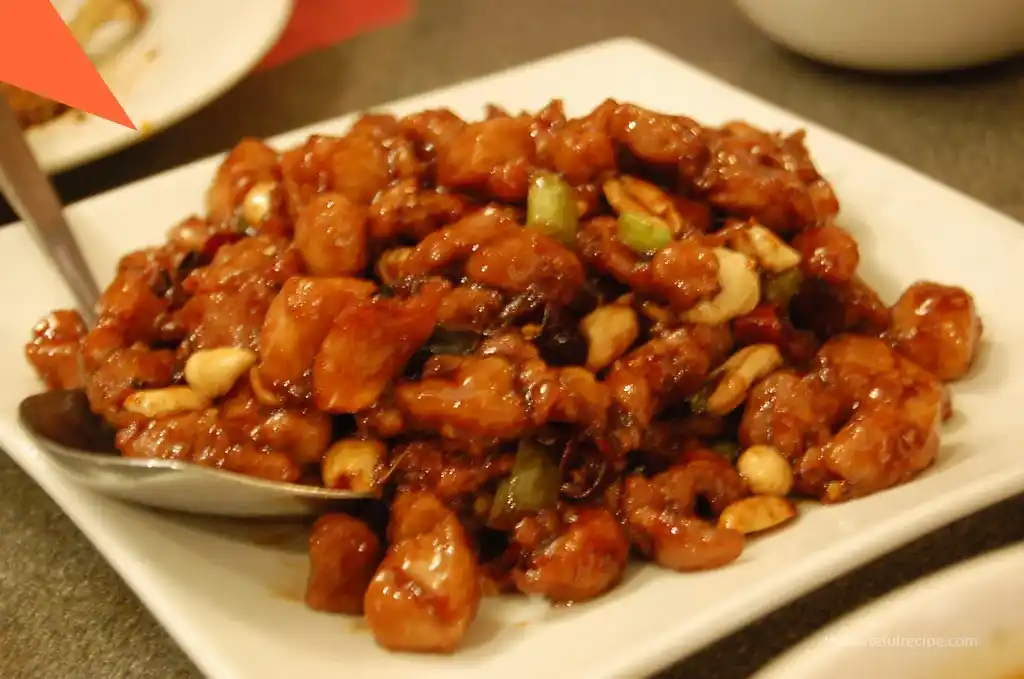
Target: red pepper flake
{"points": [[760, 326], [765, 325], [216, 242]]}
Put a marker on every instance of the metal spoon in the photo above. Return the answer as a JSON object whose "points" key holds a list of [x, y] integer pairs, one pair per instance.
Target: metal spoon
{"points": [[82, 445]]}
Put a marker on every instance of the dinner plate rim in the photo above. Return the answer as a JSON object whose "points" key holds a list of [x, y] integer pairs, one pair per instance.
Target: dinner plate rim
{"points": [[115, 139], [662, 649], [865, 621]]}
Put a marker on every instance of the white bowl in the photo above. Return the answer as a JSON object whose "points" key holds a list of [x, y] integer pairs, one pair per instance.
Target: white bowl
{"points": [[893, 35], [965, 622]]}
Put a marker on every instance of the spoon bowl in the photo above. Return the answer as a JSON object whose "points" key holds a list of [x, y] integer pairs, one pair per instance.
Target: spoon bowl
{"points": [[63, 426], [82, 445]]}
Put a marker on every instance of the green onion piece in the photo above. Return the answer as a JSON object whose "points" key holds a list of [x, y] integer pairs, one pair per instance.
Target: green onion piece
{"points": [[243, 227], [533, 485], [551, 208], [727, 449], [782, 288], [452, 342], [643, 233], [699, 401]]}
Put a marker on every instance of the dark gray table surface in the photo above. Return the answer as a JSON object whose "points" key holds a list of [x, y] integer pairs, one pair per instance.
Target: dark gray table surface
{"points": [[63, 611]]}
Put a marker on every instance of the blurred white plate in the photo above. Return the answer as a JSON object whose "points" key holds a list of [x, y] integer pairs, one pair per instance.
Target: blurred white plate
{"points": [[965, 622], [188, 54], [230, 594], [890, 35]]}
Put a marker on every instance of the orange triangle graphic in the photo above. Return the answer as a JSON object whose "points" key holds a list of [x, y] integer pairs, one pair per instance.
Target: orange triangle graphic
{"points": [[38, 53]]}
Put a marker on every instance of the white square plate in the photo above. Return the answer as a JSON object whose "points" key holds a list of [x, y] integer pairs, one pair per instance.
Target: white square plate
{"points": [[230, 595]]}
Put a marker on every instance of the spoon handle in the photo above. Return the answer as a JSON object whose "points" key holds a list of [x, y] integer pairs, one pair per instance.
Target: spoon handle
{"points": [[33, 197]]}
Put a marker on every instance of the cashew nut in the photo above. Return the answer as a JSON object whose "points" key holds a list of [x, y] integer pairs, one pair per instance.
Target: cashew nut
{"points": [[390, 264], [773, 253], [154, 403], [757, 513], [262, 393], [737, 375], [609, 331], [766, 471], [739, 294], [531, 331], [629, 194], [258, 203], [657, 313], [351, 464], [835, 491], [213, 372]]}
